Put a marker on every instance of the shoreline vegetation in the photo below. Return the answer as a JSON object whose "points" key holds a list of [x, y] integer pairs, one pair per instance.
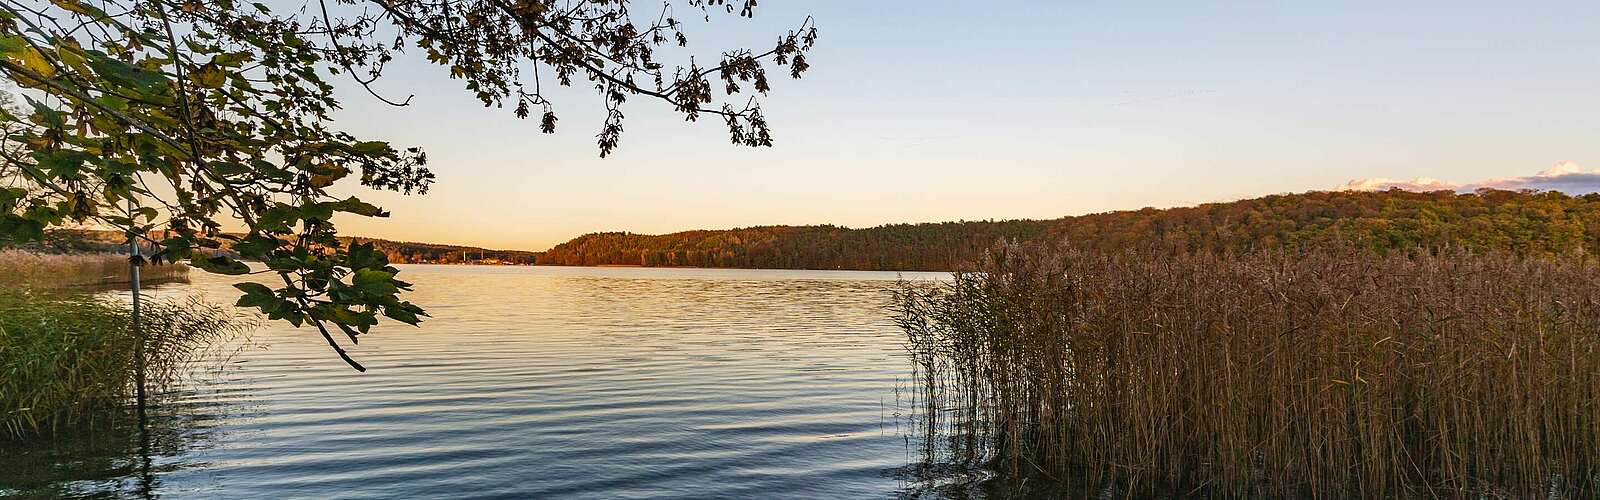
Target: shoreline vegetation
{"points": [[1532, 223], [20, 268], [74, 241], [69, 359], [1341, 344], [1330, 372], [68, 354]]}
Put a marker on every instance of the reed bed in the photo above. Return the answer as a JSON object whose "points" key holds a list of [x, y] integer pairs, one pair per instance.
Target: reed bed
{"points": [[68, 360], [1314, 374], [39, 270]]}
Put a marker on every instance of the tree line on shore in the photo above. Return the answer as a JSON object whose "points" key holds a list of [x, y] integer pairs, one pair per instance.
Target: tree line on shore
{"points": [[397, 252], [1522, 222]]}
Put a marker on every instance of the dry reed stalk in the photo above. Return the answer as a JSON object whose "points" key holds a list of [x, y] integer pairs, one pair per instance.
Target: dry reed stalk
{"points": [[1311, 374], [36, 270]]}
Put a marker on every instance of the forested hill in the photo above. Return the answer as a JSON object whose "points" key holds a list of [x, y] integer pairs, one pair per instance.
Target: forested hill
{"points": [[897, 246], [1524, 222], [1530, 223], [1527, 223]]}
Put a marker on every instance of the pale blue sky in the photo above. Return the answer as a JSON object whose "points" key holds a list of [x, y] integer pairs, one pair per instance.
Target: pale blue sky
{"points": [[919, 111]]}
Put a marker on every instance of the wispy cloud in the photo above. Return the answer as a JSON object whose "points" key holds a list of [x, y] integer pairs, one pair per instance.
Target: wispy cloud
{"points": [[1566, 177]]}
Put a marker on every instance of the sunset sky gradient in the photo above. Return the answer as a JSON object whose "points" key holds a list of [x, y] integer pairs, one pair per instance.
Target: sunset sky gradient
{"points": [[920, 111]]}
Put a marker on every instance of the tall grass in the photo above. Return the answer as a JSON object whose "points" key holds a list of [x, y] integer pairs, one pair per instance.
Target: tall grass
{"points": [[39, 270], [68, 361], [1315, 374]]}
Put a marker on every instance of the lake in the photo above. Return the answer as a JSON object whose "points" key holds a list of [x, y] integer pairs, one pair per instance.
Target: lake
{"points": [[537, 382]]}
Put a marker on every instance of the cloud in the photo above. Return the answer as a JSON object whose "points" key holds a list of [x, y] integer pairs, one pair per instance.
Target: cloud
{"points": [[1566, 177], [1384, 184]]}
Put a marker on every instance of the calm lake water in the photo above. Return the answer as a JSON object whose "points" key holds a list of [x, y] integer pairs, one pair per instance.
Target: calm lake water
{"points": [[537, 383]]}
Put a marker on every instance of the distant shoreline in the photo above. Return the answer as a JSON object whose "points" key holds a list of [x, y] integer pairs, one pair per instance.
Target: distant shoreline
{"points": [[636, 266]]}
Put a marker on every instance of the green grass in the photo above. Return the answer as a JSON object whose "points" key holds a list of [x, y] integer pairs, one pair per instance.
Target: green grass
{"points": [[1314, 374], [68, 360]]}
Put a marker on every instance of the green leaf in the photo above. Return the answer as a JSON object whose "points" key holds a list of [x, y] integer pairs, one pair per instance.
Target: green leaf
{"points": [[404, 313], [343, 315], [256, 295], [372, 148], [124, 74], [18, 229], [253, 288], [362, 255], [12, 45], [230, 168], [176, 247], [358, 207], [62, 163], [220, 264], [255, 246], [210, 76], [10, 196], [232, 59], [375, 282], [79, 8], [46, 115], [278, 218], [317, 211]]}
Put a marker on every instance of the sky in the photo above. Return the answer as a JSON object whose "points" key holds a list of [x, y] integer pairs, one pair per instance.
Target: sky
{"points": [[926, 110]]}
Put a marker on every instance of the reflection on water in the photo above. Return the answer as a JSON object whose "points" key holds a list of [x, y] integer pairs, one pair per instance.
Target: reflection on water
{"points": [[112, 460], [542, 383]]}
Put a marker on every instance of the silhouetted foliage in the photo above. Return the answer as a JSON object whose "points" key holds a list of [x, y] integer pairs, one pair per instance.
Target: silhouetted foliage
{"points": [[199, 113]]}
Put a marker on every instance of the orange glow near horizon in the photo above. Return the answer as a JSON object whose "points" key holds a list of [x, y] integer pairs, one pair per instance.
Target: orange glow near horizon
{"points": [[1071, 109]]}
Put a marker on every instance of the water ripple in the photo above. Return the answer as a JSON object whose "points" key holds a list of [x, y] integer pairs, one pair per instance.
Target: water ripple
{"points": [[565, 383]]}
